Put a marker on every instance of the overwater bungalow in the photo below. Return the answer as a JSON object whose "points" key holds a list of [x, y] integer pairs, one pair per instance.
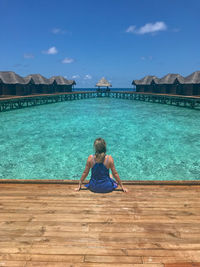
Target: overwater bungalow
{"points": [[38, 84], [144, 85], [103, 83], [60, 84], [192, 84], [13, 84], [170, 84]]}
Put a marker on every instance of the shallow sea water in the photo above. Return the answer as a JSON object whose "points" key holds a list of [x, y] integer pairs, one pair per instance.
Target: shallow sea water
{"points": [[148, 141]]}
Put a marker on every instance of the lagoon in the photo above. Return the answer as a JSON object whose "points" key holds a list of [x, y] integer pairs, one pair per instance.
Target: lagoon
{"points": [[148, 141]]}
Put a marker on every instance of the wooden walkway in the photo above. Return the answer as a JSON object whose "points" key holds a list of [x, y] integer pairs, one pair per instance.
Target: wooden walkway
{"points": [[17, 102], [52, 225]]}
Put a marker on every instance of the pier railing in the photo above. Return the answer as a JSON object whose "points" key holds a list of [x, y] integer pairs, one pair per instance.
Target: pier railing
{"points": [[17, 102]]}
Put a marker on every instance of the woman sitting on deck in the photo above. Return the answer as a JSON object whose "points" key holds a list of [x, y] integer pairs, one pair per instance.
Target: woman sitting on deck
{"points": [[100, 163]]}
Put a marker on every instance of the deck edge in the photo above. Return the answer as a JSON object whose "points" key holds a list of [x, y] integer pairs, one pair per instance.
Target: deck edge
{"points": [[125, 182]]}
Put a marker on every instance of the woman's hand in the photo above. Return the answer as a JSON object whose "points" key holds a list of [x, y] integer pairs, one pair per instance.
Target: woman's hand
{"points": [[85, 173], [78, 188], [125, 189]]}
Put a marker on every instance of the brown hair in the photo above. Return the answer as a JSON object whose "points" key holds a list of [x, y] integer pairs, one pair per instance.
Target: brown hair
{"points": [[100, 149]]}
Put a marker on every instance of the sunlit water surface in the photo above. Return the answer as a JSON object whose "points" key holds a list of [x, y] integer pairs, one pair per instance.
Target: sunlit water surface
{"points": [[148, 141]]}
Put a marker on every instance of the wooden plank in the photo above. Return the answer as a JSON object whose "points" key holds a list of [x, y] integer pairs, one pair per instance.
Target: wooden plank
{"points": [[69, 188], [86, 264], [102, 211], [98, 218], [93, 209], [63, 237], [13, 263], [74, 248], [168, 259], [113, 247], [164, 257], [183, 264], [95, 201], [113, 259], [41, 257], [42, 226], [130, 182]]}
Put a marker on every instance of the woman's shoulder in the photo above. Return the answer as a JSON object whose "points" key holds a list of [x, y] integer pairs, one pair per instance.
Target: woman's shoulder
{"points": [[90, 157], [109, 159], [90, 160]]}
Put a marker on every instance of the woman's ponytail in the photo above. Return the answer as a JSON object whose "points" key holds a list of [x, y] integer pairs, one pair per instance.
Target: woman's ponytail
{"points": [[100, 149], [100, 156]]}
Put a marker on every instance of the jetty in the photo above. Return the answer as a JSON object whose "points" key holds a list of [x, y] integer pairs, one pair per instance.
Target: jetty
{"points": [[16, 102], [47, 223], [103, 85], [34, 89]]}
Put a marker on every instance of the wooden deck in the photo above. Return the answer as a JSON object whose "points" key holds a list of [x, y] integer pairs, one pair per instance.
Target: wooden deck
{"points": [[52, 225]]}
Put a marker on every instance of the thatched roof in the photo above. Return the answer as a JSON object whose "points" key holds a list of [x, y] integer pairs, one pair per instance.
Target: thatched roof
{"points": [[193, 78], [10, 77], [37, 79], [71, 82], [58, 79], [144, 81], [155, 80], [170, 78], [28, 79], [61, 80], [103, 83]]}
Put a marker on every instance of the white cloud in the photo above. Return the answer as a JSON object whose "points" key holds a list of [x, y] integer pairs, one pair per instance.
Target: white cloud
{"points": [[51, 51], [58, 31], [87, 77], [28, 56], [131, 29], [148, 28], [153, 27], [146, 58], [76, 76], [67, 60]]}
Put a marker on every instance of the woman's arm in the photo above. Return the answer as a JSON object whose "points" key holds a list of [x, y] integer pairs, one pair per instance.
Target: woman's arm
{"points": [[115, 174], [85, 173]]}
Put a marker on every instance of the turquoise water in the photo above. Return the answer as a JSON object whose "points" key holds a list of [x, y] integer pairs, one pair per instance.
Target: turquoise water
{"points": [[148, 141]]}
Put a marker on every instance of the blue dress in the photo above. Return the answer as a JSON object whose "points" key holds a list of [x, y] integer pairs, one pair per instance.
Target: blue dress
{"points": [[100, 181]]}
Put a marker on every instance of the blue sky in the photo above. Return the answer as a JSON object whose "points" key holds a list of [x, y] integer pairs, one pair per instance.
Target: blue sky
{"points": [[84, 40]]}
